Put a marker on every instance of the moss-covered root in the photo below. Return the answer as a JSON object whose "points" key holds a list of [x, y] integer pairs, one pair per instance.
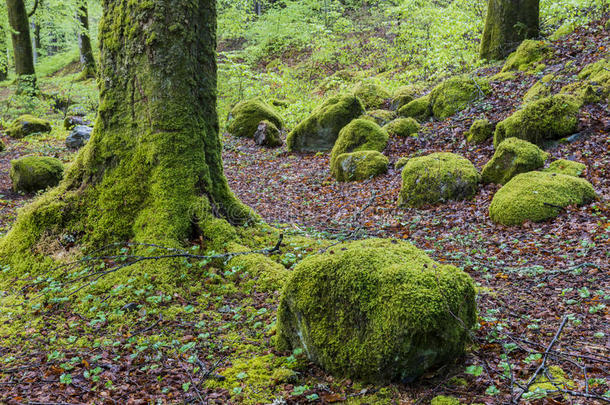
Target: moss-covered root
{"points": [[546, 119], [359, 135], [527, 55], [402, 127], [246, 115], [358, 166], [480, 131], [455, 94], [513, 156], [437, 178], [376, 310], [537, 197]]}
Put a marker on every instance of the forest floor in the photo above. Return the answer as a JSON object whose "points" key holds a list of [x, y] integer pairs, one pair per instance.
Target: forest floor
{"points": [[543, 288]]}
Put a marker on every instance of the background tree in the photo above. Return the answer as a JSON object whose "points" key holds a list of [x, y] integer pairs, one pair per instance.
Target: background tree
{"points": [[508, 23], [22, 45], [84, 41], [152, 170], [3, 53]]}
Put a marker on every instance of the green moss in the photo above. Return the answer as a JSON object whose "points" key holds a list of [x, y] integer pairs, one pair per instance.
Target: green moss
{"points": [[376, 310], [546, 119], [480, 131], [2, 146], [455, 94], [437, 178], [372, 95], [268, 135], [527, 55], [584, 91], [503, 76], [246, 115], [320, 130], [552, 380], [402, 127], [26, 125], [565, 29], [381, 117], [444, 400], [270, 276], [358, 166], [403, 96], [539, 90], [359, 135], [537, 197], [34, 173], [339, 79], [420, 109], [513, 156], [400, 163], [568, 167]]}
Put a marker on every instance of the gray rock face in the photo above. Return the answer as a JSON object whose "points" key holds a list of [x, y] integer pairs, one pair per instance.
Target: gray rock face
{"points": [[78, 137], [267, 135]]}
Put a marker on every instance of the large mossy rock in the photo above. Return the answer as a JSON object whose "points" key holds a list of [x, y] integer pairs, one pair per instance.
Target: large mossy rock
{"points": [[529, 53], [358, 166], [455, 94], [537, 197], [320, 130], [419, 109], [540, 121], [437, 178], [372, 95], [248, 114], [513, 156], [402, 127], [540, 89], [480, 131], [33, 173], [376, 310], [27, 125], [359, 135]]}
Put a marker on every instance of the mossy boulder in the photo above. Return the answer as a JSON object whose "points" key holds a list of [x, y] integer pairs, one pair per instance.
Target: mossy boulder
{"points": [[357, 166], [529, 53], [400, 163], [546, 119], [248, 114], [437, 178], [359, 135], [267, 134], [455, 94], [372, 95], [480, 131], [33, 173], [537, 197], [320, 130], [381, 117], [584, 91], [403, 96], [376, 310], [568, 167], [419, 109], [512, 157], [563, 30], [26, 125], [402, 127]]}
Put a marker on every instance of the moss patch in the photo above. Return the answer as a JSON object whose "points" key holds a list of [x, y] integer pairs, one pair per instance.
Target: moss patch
{"points": [[455, 94], [381, 117], [372, 95], [402, 127], [246, 115], [527, 55], [554, 379], [357, 166], [403, 96], [549, 118], [512, 157], [539, 90], [444, 400], [568, 167], [436, 178], [34, 173], [26, 125], [480, 131], [359, 135], [586, 92], [376, 310], [537, 197], [320, 130], [420, 109]]}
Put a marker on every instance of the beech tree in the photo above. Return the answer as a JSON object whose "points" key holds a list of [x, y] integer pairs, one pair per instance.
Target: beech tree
{"points": [[508, 23], [152, 171], [3, 56], [84, 41], [22, 44]]}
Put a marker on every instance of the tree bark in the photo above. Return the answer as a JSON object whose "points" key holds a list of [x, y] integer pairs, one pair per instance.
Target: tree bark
{"points": [[152, 170], [508, 23], [3, 54], [84, 42], [22, 44]]}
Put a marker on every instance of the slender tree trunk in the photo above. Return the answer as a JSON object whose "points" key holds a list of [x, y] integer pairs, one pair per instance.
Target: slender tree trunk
{"points": [[152, 171], [22, 45], [84, 42], [508, 23], [3, 54], [35, 42]]}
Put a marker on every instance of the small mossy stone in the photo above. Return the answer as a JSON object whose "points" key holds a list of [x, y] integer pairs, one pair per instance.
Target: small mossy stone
{"points": [[568, 167], [403, 96], [503, 76], [358, 166], [419, 109], [402, 127], [444, 400], [437, 178], [33, 173], [376, 310], [267, 134], [372, 95], [546, 119], [381, 117], [527, 54], [320, 130], [359, 135], [585, 92], [456, 94], [2, 146], [539, 90], [480, 131], [246, 115], [563, 30], [512, 157], [537, 197], [26, 125]]}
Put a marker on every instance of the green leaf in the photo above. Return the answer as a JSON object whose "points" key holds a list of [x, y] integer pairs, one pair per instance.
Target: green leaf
{"points": [[474, 370], [65, 379], [492, 390]]}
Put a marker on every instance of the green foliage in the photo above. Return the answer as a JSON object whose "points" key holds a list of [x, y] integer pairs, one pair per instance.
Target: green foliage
{"points": [[357, 166], [513, 156]]}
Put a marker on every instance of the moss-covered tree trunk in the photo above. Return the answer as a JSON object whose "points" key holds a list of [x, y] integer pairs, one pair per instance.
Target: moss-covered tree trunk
{"points": [[84, 41], [3, 54], [22, 44], [152, 171], [508, 23]]}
